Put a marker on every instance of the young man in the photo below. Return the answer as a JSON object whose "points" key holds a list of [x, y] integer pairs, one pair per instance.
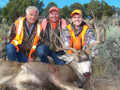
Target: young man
{"points": [[24, 37], [52, 24], [78, 35]]}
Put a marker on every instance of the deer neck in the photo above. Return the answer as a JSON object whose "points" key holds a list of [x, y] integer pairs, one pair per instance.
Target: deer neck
{"points": [[73, 65]]}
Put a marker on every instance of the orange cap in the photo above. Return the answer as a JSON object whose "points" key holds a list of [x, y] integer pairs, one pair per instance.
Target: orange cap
{"points": [[76, 11], [54, 8]]}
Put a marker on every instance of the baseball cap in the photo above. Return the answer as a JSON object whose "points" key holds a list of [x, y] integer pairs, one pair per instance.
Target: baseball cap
{"points": [[76, 11], [54, 8]]}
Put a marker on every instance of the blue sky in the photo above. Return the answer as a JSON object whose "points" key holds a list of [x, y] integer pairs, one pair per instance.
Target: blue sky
{"points": [[62, 3]]}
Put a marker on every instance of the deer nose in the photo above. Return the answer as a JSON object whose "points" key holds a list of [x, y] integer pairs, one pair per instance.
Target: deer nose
{"points": [[87, 74]]}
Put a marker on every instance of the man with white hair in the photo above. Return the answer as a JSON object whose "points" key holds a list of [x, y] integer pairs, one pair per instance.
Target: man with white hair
{"points": [[24, 37]]}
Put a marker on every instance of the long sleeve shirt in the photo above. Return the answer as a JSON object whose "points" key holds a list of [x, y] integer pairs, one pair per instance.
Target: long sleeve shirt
{"points": [[89, 37]]}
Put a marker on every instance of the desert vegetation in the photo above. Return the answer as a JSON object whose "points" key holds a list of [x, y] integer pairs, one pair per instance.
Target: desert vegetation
{"points": [[106, 66]]}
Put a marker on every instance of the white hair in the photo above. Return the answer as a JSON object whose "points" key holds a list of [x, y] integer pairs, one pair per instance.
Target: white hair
{"points": [[31, 7]]}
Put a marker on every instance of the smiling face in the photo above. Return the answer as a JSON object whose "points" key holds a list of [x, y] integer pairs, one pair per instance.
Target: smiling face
{"points": [[77, 19], [54, 16], [32, 16]]}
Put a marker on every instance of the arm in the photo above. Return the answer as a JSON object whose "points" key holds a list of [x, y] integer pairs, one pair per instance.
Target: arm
{"points": [[66, 37], [89, 39]]}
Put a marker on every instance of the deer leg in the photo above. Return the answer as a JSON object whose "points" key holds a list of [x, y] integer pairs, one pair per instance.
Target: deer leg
{"points": [[64, 85]]}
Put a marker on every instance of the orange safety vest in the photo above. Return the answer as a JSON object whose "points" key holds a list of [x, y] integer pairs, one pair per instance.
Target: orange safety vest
{"points": [[45, 21], [19, 36], [77, 42]]}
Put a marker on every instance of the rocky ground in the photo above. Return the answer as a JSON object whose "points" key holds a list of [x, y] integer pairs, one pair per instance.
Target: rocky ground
{"points": [[109, 82]]}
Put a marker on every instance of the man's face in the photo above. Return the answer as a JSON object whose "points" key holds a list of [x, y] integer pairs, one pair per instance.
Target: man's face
{"points": [[77, 19], [32, 16], [54, 16]]}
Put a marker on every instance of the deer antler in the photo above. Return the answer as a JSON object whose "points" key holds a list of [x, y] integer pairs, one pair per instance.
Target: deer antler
{"points": [[98, 41], [62, 48]]}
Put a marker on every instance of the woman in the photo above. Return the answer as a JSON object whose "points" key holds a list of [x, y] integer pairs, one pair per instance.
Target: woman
{"points": [[78, 34]]}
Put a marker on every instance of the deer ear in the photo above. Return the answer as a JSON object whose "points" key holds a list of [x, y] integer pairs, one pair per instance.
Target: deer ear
{"points": [[67, 57]]}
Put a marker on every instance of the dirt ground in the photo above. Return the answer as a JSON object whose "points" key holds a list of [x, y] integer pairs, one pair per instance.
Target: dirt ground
{"points": [[109, 82]]}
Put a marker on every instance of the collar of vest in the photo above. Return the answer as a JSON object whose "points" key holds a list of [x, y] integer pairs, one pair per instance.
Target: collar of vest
{"points": [[80, 28], [52, 22]]}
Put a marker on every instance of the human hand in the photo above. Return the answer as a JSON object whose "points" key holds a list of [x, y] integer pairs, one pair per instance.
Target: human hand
{"points": [[30, 60]]}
